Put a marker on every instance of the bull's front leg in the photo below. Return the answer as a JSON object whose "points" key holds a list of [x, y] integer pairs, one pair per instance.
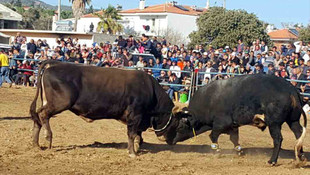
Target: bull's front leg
{"points": [[275, 132], [134, 138]]}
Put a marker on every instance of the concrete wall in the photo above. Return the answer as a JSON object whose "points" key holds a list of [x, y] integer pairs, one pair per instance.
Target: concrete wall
{"points": [[51, 37]]}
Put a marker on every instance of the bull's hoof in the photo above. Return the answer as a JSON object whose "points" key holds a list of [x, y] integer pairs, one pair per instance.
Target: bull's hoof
{"points": [[132, 155], [239, 150], [272, 163], [303, 158], [136, 144], [240, 153]]}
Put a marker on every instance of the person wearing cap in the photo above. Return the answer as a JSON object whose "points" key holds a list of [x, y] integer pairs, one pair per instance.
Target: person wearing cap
{"points": [[4, 71]]}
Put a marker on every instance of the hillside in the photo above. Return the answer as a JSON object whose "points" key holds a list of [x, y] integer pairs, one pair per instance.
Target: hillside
{"points": [[36, 3]]}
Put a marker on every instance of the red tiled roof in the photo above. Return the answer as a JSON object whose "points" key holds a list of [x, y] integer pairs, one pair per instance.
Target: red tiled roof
{"points": [[282, 34], [161, 8]]}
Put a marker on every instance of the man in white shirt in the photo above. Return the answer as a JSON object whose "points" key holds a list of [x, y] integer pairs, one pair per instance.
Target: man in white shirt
{"points": [[209, 69], [175, 69], [140, 62], [306, 57]]}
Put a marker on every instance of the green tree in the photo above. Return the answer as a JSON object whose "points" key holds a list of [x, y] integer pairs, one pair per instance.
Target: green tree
{"points": [[91, 9], [220, 27], [108, 21], [66, 14], [304, 34], [78, 8]]}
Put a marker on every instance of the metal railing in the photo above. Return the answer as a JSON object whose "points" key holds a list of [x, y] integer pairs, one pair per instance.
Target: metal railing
{"points": [[194, 78]]}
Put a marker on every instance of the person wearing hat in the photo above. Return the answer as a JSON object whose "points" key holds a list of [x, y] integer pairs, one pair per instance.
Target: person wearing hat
{"points": [[4, 71]]}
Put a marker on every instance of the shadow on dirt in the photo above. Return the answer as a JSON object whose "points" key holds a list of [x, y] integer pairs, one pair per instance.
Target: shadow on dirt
{"points": [[15, 118], [182, 148]]}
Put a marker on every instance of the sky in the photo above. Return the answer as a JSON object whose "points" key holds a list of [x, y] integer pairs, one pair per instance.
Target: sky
{"points": [[271, 11]]}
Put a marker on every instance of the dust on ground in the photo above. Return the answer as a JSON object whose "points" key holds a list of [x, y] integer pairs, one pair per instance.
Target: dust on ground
{"points": [[101, 147]]}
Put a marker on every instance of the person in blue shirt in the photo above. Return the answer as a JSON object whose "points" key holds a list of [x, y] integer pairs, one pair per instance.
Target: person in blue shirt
{"points": [[157, 65]]}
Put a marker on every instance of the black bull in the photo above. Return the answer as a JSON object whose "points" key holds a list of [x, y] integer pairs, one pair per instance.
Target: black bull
{"points": [[260, 100], [94, 93]]}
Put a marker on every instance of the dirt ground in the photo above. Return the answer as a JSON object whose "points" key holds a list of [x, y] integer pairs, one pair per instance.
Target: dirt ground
{"points": [[100, 147]]}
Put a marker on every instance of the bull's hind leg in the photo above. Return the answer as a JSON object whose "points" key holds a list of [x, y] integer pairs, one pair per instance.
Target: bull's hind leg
{"points": [[35, 135], [45, 117], [275, 132], [234, 138], [297, 130]]}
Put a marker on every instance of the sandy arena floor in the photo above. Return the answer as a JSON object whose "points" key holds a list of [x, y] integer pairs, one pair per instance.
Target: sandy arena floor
{"points": [[100, 147]]}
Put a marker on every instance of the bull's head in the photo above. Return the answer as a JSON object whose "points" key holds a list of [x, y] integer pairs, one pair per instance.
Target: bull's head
{"points": [[179, 126]]}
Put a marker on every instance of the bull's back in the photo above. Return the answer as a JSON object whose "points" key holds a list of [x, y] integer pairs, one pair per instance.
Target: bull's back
{"points": [[247, 92], [101, 92]]}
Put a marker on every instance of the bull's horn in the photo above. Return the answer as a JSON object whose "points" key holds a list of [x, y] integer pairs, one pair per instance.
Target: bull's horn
{"points": [[178, 107], [161, 138]]}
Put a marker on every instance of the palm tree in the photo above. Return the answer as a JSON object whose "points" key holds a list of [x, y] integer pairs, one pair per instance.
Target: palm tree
{"points": [[108, 21], [78, 8]]}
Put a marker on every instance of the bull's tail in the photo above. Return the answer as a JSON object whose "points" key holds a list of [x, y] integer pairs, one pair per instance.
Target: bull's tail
{"points": [[299, 142], [33, 107]]}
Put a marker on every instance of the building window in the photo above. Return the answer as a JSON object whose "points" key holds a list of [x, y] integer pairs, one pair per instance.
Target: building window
{"points": [[153, 22]]}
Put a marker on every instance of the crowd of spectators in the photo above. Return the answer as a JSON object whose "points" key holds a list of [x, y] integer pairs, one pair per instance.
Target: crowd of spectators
{"points": [[290, 61]]}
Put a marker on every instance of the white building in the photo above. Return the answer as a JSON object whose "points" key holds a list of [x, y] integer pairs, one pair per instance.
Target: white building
{"points": [[152, 20], [8, 18]]}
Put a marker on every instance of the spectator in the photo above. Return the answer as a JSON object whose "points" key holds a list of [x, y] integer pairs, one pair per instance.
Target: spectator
{"points": [[27, 73], [175, 69], [4, 71], [126, 57], [157, 65], [299, 76], [121, 42], [282, 72], [31, 47], [258, 69], [209, 69], [271, 70], [306, 55], [140, 62], [240, 46], [173, 79]]}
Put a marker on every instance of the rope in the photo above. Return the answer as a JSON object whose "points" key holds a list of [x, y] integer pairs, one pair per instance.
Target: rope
{"points": [[195, 137], [159, 130]]}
